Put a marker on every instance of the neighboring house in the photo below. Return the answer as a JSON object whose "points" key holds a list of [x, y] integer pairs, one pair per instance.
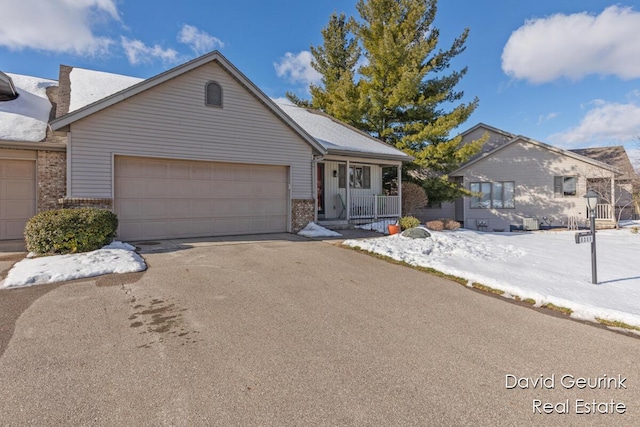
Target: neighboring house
{"points": [[199, 150], [522, 183], [30, 176]]}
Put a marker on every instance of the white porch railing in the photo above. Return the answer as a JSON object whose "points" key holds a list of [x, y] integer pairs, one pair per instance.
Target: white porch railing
{"points": [[604, 212], [376, 206]]}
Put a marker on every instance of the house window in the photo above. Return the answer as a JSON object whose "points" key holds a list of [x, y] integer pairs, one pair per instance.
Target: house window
{"points": [[565, 186], [359, 176], [213, 94], [496, 195]]}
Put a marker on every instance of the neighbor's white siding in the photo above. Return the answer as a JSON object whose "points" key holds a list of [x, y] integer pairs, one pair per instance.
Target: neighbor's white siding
{"points": [[532, 168], [172, 121]]}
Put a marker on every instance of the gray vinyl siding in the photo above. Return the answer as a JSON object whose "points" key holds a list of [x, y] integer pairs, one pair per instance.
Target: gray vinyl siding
{"points": [[532, 168], [171, 120]]}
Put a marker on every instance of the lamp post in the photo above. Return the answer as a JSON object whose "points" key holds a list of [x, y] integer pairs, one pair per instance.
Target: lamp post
{"points": [[592, 202]]}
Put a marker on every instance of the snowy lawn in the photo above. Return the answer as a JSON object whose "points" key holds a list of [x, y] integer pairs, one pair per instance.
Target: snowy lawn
{"points": [[548, 267], [116, 257]]}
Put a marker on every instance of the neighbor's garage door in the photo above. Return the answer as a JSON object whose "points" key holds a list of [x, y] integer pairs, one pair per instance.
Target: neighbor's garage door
{"points": [[17, 196], [159, 199]]}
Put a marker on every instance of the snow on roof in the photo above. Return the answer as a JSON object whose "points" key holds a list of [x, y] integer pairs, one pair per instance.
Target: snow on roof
{"points": [[25, 118], [338, 137], [88, 86]]}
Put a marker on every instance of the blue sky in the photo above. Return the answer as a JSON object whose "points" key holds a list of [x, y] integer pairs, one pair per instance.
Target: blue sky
{"points": [[562, 72]]}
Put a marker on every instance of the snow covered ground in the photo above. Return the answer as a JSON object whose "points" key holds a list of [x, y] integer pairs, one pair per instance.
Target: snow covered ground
{"points": [[547, 266], [116, 257], [314, 230]]}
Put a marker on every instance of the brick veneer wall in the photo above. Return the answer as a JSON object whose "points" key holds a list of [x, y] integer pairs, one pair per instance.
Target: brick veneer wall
{"points": [[83, 202], [52, 179], [302, 213]]}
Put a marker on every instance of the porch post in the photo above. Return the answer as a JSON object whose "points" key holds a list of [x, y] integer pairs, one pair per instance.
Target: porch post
{"points": [[612, 206], [399, 169], [348, 187], [314, 187]]}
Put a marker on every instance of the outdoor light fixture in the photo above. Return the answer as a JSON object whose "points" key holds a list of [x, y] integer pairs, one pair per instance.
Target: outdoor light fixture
{"points": [[592, 202], [335, 173]]}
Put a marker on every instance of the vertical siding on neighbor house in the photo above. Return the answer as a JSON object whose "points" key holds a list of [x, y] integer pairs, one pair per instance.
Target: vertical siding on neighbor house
{"points": [[172, 121], [532, 168], [332, 208]]}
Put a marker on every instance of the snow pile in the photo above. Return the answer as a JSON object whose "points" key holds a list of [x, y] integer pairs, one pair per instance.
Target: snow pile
{"points": [[314, 230], [25, 118], [116, 257], [548, 267]]}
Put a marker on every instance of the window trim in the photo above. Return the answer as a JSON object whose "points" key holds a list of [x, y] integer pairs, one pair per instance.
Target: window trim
{"points": [[561, 193], [492, 197], [206, 94], [364, 176]]}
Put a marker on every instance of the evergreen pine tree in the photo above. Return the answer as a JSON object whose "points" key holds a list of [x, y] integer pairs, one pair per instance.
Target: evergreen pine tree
{"points": [[336, 60], [403, 90]]}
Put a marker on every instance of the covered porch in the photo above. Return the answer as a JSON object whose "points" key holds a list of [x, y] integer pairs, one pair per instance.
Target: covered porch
{"points": [[352, 191]]}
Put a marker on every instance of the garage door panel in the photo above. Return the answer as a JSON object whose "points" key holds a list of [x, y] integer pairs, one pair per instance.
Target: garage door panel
{"points": [[17, 196], [129, 208], [153, 209], [18, 209], [179, 170], [19, 189], [155, 169], [200, 171], [199, 188], [156, 229], [131, 188], [191, 198]]}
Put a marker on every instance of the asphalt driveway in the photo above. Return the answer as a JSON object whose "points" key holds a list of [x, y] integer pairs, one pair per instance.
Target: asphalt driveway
{"points": [[282, 330]]}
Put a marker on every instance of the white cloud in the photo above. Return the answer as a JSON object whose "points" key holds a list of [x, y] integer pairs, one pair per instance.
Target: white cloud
{"points": [[546, 118], [199, 41], [57, 25], [139, 53], [297, 68], [574, 46], [605, 122]]}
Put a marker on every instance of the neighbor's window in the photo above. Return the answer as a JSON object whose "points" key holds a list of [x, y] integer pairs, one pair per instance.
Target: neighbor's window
{"points": [[565, 186], [359, 176], [213, 94], [496, 195]]}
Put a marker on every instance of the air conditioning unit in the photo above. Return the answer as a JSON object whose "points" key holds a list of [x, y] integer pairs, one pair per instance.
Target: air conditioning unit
{"points": [[530, 224]]}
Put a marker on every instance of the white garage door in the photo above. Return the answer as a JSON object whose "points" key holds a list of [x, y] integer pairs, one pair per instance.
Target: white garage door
{"points": [[17, 196], [159, 199]]}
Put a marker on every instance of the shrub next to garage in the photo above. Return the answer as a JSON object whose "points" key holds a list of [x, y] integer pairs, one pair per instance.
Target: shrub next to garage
{"points": [[64, 231]]}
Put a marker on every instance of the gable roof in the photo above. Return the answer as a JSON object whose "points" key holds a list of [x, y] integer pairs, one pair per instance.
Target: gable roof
{"points": [[338, 138], [615, 156], [25, 117], [557, 150], [101, 104], [489, 128]]}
